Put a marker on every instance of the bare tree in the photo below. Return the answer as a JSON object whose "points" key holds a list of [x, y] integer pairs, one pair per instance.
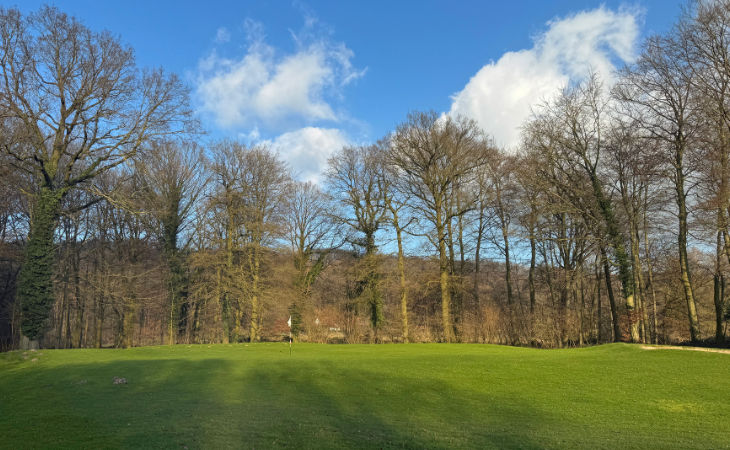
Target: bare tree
{"points": [[264, 183], [356, 182], [529, 197], [657, 93], [625, 163], [571, 131], [312, 232], [79, 107], [13, 229], [397, 201], [705, 28], [247, 205], [436, 157], [171, 179], [225, 222], [500, 170]]}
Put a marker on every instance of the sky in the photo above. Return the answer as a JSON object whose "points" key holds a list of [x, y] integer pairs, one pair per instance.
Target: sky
{"points": [[307, 78]]}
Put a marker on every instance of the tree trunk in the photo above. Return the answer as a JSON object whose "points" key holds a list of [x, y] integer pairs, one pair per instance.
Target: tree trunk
{"points": [[639, 282], [99, 315], [462, 256], [230, 311], [76, 289], [582, 307], [35, 284], [477, 262], [507, 266], [402, 274], [649, 268], [81, 318], [63, 309], [617, 242], [694, 326], [531, 273], [611, 298], [171, 320], [255, 261], [130, 319], [444, 277], [599, 307], [454, 285], [224, 328], [718, 297]]}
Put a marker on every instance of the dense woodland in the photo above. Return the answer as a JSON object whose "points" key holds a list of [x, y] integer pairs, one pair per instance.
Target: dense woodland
{"points": [[121, 225]]}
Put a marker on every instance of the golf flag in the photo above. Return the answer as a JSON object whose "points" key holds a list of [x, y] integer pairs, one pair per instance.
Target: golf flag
{"points": [[288, 322]]}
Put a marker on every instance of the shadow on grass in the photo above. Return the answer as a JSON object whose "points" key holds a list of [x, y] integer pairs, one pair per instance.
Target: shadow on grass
{"points": [[77, 405], [323, 405], [219, 403]]}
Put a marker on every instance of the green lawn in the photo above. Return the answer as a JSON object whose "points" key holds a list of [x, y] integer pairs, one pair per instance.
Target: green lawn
{"points": [[414, 396]]}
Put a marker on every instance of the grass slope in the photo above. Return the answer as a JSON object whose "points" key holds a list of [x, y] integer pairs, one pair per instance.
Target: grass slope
{"points": [[435, 395]]}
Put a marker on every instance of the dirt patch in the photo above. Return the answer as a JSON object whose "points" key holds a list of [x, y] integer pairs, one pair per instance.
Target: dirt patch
{"points": [[676, 347]]}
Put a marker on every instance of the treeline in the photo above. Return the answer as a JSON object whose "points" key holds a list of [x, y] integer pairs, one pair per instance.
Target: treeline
{"points": [[119, 227]]}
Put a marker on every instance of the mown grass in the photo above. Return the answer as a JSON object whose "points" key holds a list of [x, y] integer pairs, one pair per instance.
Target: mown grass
{"points": [[411, 396]]}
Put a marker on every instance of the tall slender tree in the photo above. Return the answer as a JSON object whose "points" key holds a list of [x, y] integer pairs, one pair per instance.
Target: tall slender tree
{"points": [[355, 180], [436, 157], [657, 93]]}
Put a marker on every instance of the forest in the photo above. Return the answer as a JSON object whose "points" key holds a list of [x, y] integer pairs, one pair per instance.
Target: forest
{"points": [[122, 224]]}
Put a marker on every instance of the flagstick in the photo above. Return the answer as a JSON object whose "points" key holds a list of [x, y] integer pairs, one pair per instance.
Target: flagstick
{"points": [[288, 322]]}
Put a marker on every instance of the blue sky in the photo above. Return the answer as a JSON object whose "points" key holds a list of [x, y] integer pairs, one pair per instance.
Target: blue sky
{"points": [[309, 77]]}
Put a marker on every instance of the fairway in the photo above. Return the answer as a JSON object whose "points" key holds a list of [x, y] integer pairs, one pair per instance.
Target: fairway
{"points": [[380, 396]]}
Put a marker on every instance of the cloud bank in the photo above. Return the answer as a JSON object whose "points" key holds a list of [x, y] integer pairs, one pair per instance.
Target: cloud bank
{"points": [[307, 150], [285, 99], [267, 89], [500, 95]]}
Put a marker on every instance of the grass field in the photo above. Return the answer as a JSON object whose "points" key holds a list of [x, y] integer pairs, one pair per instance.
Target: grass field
{"points": [[418, 395]]}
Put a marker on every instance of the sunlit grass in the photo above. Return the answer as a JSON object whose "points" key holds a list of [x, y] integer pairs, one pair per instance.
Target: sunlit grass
{"points": [[365, 396]]}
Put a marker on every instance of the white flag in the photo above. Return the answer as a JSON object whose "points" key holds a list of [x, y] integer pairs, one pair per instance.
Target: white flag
{"points": [[288, 322]]}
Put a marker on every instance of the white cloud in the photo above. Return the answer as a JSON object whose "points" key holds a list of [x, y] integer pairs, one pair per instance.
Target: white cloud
{"points": [[500, 95], [222, 35], [265, 88], [306, 150]]}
